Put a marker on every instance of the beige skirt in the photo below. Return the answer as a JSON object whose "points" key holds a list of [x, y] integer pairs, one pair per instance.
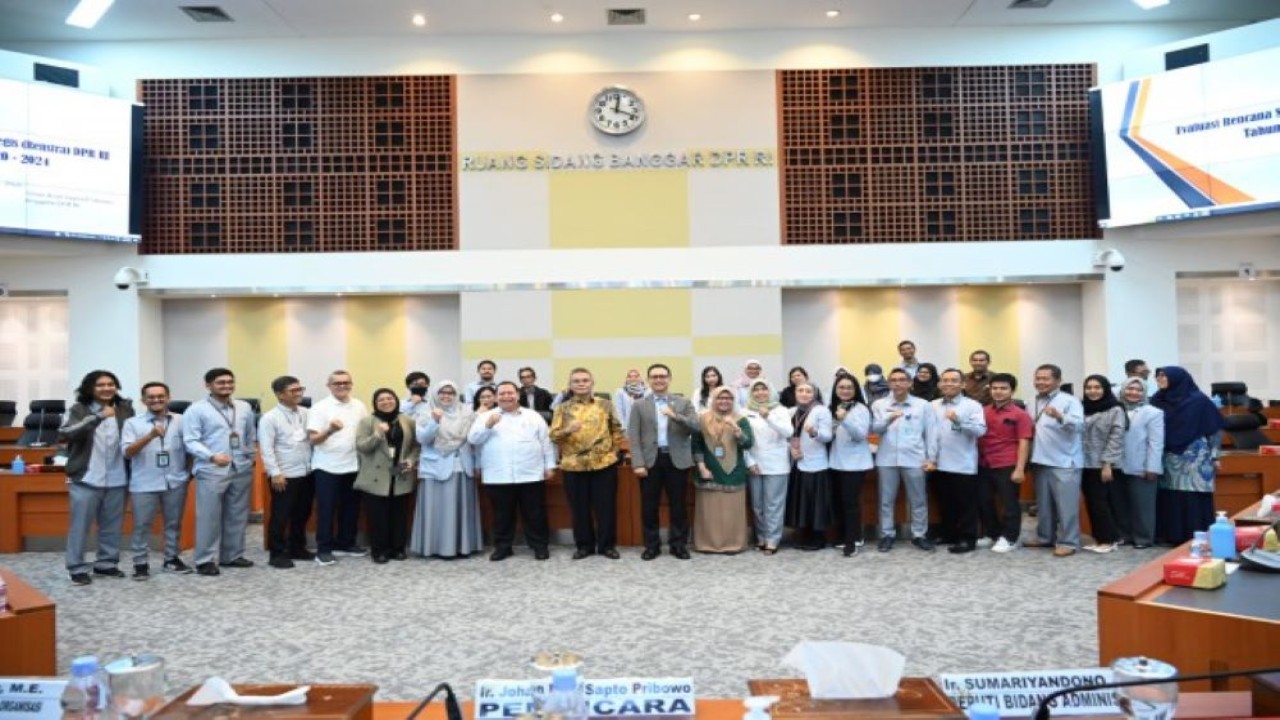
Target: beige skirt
{"points": [[720, 521]]}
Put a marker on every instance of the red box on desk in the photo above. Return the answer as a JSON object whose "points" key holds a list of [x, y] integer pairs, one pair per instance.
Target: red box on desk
{"points": [[1247, 535], [1273, 423], [1269, 449], [1203, 573]]}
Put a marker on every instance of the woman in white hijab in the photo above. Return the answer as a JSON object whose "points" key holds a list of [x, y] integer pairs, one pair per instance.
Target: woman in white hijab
{"points": [[752, 371], [447, 522]]}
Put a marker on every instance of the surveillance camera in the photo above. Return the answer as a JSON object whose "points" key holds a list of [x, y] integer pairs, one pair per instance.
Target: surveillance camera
{"points": [[126, 277], [1111, 258]]}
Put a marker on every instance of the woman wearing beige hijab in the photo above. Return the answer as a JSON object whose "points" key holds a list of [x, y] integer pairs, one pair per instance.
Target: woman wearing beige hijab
{"points": [[447, 522], [720, 517]]}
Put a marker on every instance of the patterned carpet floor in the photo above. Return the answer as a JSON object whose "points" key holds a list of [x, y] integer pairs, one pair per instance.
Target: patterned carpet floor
{"points": [[720, 619]]}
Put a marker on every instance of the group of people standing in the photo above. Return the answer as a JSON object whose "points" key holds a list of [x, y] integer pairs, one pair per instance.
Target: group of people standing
{"points": [[1145, 465]]}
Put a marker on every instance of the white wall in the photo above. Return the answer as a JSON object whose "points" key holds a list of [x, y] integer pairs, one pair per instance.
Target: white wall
{"points": [[33, 351], [1227, 332]]}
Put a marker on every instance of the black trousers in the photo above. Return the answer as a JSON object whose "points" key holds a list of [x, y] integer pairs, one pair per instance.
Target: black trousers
{"points": [[530, 499], [593, 492], [387, 519], [337, 503], [848, 487], [1005, 521], [665, 476], [290, 508], [1097, 501], [1121, 505], [958, 505]]}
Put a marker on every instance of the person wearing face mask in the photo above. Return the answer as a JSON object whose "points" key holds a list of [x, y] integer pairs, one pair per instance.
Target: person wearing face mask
{"points": [[1057, 457], [1105, 423], [961, 424], [850, 456], [388, 454], [908, 431], [769, 464], [418, 386], [876, 385], [1133, 497], [158, 479], [97, 477], [633, 388], [810, 506], [720, 518], [659, 435], [447, 522]]}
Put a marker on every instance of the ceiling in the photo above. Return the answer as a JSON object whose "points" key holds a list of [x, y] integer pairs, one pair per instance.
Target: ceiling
{"points": [[42, 20]]}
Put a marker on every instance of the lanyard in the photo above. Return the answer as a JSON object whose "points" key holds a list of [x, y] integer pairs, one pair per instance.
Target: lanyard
{"points": [[231, 422], [1041, 408], [165, 434]]}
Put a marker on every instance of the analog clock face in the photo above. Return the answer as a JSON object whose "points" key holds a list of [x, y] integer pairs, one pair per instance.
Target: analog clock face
{"points": [[616, 111]]}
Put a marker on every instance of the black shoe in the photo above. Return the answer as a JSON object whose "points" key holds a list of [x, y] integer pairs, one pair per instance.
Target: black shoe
{"points": [[240, 562], [208, 569], [1141, 546], [961, 548], [323, 558], [809, 547], [141, 572], [923, 544], [380, 559], [541, 554], [109, 572], [850, 549], [399, 555], [302, 555], [280, 563], [680, 553], [580, 554], [886, 544], [610, 553], [501, 553], [175, 565], [81, 579], [650, 553]]}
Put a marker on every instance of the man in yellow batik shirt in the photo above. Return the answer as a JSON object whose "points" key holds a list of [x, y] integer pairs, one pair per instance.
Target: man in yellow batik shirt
{"points": [[589, 437]]}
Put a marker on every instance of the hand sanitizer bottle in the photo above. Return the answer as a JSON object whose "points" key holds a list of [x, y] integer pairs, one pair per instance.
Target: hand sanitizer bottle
{"points": [[1222, 537]]}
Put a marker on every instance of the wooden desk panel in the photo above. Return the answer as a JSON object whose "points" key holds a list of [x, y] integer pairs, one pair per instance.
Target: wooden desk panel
{"points": [[28, 629], [30, 455], [36, 505], [10, 434]]}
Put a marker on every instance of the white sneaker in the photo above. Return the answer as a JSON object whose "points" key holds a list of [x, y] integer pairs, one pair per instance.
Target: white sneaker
{"points": [[1002, 546], [860, 543], [1102, 548], [985, 542]]}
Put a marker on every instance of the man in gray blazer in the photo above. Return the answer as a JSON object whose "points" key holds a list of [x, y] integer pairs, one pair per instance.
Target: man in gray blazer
{"points": [[659, 432]]}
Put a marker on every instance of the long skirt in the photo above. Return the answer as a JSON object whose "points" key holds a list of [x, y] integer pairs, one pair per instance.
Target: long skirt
{"points": [[810, 505], [720, 521], [447, 521]]}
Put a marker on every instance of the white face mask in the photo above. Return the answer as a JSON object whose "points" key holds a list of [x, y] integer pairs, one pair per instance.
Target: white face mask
{"points": [[874, 378]]}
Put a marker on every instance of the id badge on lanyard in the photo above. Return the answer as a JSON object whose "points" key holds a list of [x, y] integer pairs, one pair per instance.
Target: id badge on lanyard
{"points": [[235, 441], [162, 459]]}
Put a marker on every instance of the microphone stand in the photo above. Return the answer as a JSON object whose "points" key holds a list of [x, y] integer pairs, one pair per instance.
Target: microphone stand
{"points": [[1042, 710], [451, 708]]}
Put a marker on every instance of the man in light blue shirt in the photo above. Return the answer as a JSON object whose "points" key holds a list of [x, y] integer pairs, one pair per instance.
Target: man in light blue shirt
{"points": [[960, 423], [219, 434], [153, 444], [910, 363], [1057, 457], [486, 370], [908, 431]]}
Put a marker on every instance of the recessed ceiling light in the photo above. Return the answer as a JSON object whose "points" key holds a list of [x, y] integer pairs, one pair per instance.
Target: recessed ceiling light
{"points": [[833, 13], [419, 19], [695, 17], [1150, 4], [87, 13], [557, 17]]}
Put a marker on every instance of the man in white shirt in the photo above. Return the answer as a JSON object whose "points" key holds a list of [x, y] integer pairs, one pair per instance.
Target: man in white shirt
{"points": [[153, 445], [908, 431], [286, 457], [960, 423], [518, 458], [486, 369], [331, 426]]}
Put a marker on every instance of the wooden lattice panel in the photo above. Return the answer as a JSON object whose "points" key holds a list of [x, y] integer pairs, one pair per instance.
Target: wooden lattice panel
{"points": [[938, 154], [334, 164]]}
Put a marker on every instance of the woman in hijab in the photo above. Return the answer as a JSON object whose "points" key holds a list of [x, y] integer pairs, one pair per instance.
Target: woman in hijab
{"points": [[1105, 422], [1192, 437], [388, 453], [876, 386], [752, 371], [810, 508], [1133, 493], [770, 465], [925, 385], [633, 389], [796, 376], [711, 379], [447, 522], [720, 517]]}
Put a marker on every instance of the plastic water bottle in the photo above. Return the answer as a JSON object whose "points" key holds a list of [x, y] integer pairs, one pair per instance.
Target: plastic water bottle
{"points": [[1200, 545], [1222, 537], [18, 466], [82, 698], [565, 698], [983, 711]]}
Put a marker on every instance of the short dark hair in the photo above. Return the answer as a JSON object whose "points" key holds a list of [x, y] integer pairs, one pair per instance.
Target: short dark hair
{"points": [[154, 383], [281, 383], [983, 353], [84, 393], [504, 382], [1132, 365], [216, 373], [475, 399], [900, 371], [530, 370], [1006, 378], [951, 370], [649, 370], [577, 370], [905, 342], [1054, 370], [490, 363], [415, 376]]}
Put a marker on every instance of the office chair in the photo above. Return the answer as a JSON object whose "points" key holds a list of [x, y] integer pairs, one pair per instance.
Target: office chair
{"points": [[1245, 430], [179, 406], [40, 428], [306, 401], [8, 412], [255, 404]]}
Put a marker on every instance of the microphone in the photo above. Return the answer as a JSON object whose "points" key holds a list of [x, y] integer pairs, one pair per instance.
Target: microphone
{"points": [[1042, 710], [451, 708], [38, 442]]}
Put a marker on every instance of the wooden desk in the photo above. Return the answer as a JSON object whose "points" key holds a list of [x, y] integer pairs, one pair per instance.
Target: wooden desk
{"points": [[30, 455], [36, 505], [28, 631], [1135, 619], [10, 434]]}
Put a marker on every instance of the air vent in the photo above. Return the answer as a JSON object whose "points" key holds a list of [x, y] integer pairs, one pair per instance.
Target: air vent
{"points": [[1029, 4], [625, 16], [206, 13]]}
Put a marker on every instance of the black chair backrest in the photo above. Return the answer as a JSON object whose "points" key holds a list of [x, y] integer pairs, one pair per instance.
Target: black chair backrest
{"points": [[1245, 430], [306, 401], [254, 404], [49, 406], [8, 412], [179, 406], [40, 428], [1225, 389]]}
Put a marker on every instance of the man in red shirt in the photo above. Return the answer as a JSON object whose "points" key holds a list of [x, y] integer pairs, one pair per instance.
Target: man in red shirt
{"points": [[1002, 464]]}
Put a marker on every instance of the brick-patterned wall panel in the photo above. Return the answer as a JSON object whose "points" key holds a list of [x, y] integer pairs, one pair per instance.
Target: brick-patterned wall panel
{"points": [[300, 165], [936, 154]]}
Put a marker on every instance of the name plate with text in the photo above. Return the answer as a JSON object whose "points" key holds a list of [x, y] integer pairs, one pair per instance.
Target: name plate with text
{"points": [[614, 697], [31, 699], [1019, 693]]}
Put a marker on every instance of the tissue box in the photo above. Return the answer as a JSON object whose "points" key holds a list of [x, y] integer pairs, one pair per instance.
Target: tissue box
{"points": [[1269, 449], [1202, 573], [1247, 535]]}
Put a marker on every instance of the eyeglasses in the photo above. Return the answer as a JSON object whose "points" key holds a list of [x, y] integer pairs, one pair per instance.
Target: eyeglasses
{"points": [[658, 376], [295, 389], [341, 384], [446, 392]]}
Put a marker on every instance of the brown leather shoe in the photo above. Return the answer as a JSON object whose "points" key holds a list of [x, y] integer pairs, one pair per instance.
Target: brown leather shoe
{"points": [[1063, 551]]}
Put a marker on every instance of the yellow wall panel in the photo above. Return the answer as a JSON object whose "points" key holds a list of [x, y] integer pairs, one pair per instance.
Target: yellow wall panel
{"points": [[609, 372], [988, 318], [376, 344], [257, 347], [473, 351], [599, 314], [870, 322], [620, 209]]}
